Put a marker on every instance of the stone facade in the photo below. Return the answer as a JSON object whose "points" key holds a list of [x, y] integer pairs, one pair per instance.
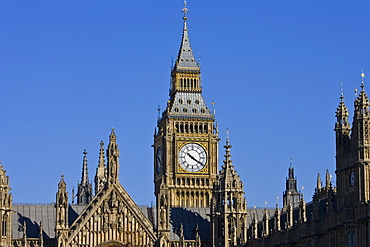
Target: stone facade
{"points": [[197, 205]]}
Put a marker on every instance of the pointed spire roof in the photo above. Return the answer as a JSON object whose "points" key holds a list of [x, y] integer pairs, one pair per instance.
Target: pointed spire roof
{"points": [[186, 100], [112, 136], [291, 169], [342, 113], [327, 179], [101, 172], [318, 182], [101, 155], [85, 174], [185, 58], [228, 173], [362, 101]]}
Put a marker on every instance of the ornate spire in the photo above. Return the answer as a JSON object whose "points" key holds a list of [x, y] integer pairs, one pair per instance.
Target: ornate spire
{"points": [[291, 169], [362, 101], [342, 112], [101, 155], [185, 11], [291, 193], [228, 187], [62, 206], [84, 191], [101, 171], [85, 174], [327, 180], [185, 59], [112, 136], [318, 182], [62, 183], [186, 98], [228, 173], [112, 154]]}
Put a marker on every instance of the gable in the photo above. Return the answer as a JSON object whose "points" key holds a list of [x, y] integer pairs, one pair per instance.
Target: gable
{"points": [[112, 215]]}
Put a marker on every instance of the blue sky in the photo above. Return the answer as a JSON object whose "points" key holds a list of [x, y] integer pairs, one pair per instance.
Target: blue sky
{"points": [[72, 70]]}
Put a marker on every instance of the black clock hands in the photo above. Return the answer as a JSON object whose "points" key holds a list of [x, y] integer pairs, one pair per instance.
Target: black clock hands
{"points": [[192, 157]]}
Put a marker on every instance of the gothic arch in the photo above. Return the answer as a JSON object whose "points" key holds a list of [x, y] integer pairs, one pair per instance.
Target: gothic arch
{"points": [[113, 243]]}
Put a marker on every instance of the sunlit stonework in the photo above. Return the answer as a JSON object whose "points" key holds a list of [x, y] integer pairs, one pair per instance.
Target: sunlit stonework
{"points": [[198, 201]]}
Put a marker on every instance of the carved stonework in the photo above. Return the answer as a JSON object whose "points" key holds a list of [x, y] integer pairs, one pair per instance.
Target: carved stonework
{"points": [[113, 220]]}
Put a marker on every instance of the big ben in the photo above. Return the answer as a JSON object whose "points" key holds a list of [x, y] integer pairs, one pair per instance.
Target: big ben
{"points": [[186, 139]]}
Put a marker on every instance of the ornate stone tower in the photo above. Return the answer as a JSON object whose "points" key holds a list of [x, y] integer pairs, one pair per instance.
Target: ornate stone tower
{"points": [[84, 192], [6, 203], [352, 152], [186, 141], [291, 195], [229, 207], [61, 228]]}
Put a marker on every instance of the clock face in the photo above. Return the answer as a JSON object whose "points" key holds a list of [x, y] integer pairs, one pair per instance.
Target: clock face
{"points": [[158, 160], [192, 157], [352, 179]]}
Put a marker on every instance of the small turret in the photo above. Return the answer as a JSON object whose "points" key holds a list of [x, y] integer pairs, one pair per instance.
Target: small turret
{"points": [[342, 128], [361, 140], [230, 210]]}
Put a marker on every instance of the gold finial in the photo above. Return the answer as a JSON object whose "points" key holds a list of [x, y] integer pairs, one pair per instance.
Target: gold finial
{"points": [[362, 80], [185, 11], [213, 107]]}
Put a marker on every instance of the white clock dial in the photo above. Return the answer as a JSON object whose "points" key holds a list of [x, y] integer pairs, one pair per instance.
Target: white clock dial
{"points": [[158, 160], [192, 157]]}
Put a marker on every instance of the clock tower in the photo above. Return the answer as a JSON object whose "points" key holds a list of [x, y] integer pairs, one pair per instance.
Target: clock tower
{"points": [[186, 139], [353, 152]]}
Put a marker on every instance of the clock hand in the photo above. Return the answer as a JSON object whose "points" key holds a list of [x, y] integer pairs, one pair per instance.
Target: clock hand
{"points": [[192, 157]]}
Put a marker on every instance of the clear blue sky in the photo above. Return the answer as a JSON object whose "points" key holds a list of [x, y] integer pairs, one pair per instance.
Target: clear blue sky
{"points": [[71, 70]]}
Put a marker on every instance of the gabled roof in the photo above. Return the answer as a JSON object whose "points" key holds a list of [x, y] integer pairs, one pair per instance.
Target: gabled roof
{"points": [[115, 201]]}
